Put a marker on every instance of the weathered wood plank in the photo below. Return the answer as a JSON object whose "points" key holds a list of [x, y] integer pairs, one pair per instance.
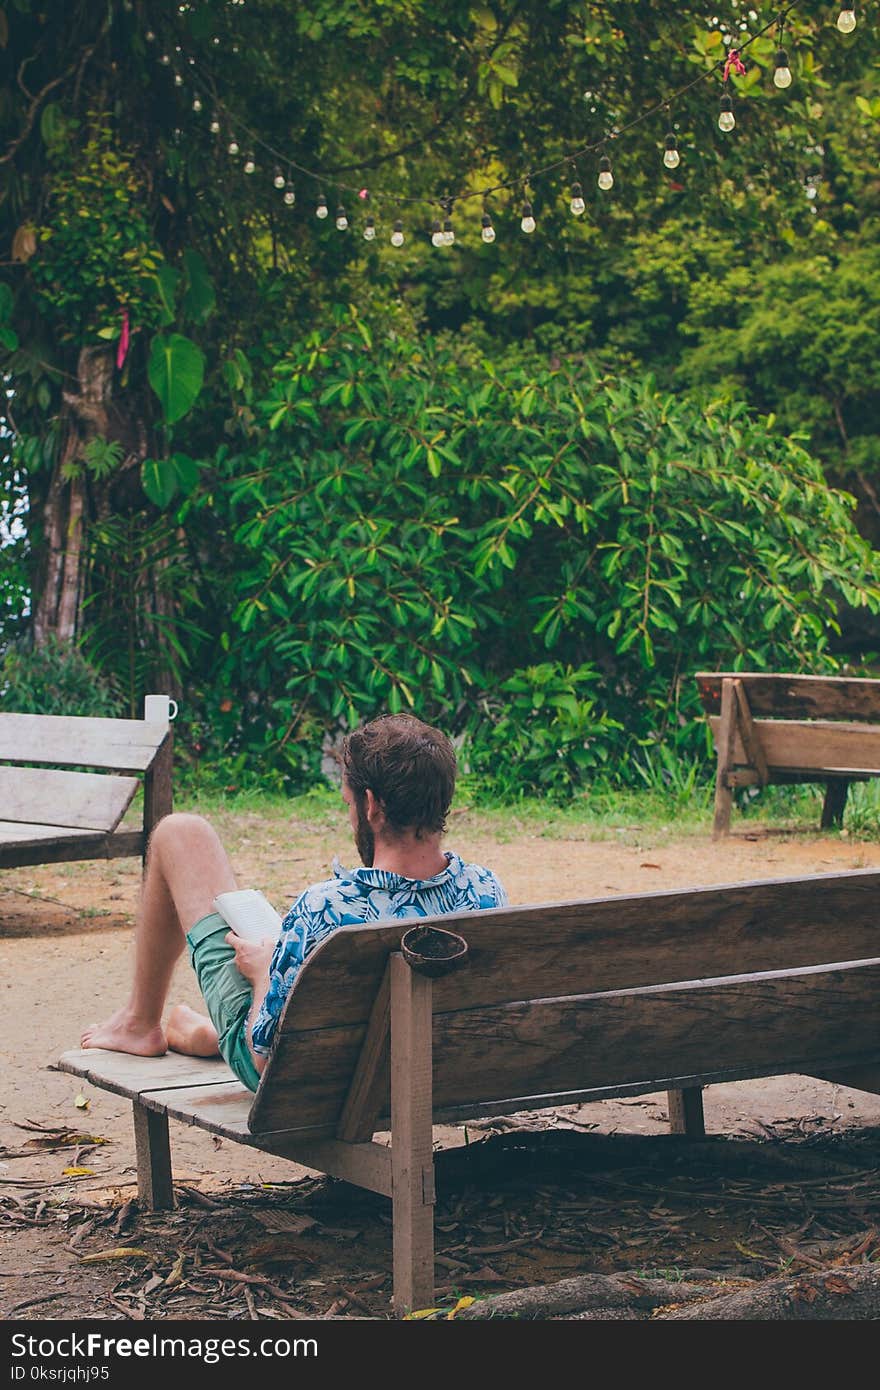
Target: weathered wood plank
{"points": [[125, 745], [820, 746], [686, 1111], [153, 1154], [59, 846], [158, 788], [369, 1090], [751, 739], [553, 949], [796, 697], [725, 739], [412, 1158], [769, 1023], [130, 1076], [72, 800]]}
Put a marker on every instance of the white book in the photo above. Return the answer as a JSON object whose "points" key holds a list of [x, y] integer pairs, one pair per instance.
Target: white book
{"points": [[249, 914]]}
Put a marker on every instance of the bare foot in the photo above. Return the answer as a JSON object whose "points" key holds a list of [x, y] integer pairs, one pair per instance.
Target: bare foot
{"points": [[191, 1033], [123, 1034]]}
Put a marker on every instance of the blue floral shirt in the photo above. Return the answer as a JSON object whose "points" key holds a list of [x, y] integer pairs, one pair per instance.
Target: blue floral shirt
{"points": [[355, 896]]}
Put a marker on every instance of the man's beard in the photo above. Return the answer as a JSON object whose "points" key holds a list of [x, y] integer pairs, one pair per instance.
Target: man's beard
{"points": [[364, 838]]}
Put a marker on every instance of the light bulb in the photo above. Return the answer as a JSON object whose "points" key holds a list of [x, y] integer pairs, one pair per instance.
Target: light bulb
{"points": [[289, 194], [578, 206], [322, 209], [846, 21], [278, 180], [727, 120], [341, 219], [436, 234], [233, 146], [178, 80], [528, 223], [197, 103], [448, 233], [165, 59], [782, 75], [671, 157], [397, 237], [488, 232], [369, 229], [606, 178], [249, 164], [215, 126], [149, 36]]}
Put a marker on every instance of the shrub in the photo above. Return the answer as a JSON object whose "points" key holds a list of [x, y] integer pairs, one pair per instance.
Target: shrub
{"points": [[407, 531], [54, 679]]}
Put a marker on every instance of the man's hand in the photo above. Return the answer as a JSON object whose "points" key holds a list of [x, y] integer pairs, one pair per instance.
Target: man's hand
{"points": [[252, 959]]}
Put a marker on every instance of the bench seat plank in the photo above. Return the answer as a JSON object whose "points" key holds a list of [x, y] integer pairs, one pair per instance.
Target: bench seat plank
{"points": [[125, 745], [129, 1076], [796, 697], [72, 800]]}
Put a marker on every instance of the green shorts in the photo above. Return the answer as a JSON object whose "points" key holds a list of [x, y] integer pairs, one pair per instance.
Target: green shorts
{"points": [[226, 992]]}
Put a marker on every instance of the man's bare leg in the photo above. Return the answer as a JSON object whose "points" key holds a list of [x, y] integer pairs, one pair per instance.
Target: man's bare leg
{"points": [[191, 1032], [186, 867]]}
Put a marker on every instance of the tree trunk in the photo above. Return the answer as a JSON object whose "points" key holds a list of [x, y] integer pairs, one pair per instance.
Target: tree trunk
{"points": [[91, 413]]}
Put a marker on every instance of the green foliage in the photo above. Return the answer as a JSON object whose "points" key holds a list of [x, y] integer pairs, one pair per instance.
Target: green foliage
{"points": [[540, 734], [55, 678], [176, 371], [411, 532]]}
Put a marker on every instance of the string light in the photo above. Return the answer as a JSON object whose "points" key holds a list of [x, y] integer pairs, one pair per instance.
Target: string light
{"points": [[369, 229], [250, 164], [289, 194], [846, 20], [577, 204], [436, 233], [165, 59], [606, 178], [726, 120], [448, 233], [527, 223], [782, 72], [197, 103], [322, 210], [397, 237], [178, 80], [233, 147], [671, 157], [341, 219], [278, 179], [488, 231], [214, 127]]}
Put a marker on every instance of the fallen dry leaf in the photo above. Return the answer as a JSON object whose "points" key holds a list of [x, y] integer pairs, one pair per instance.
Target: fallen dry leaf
{"points": [[119, 1252], [81, 1102]]}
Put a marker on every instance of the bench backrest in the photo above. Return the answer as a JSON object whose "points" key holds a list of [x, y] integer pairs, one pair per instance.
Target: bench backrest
{"points": [[566, 997], [85, 800], [796, 697]]}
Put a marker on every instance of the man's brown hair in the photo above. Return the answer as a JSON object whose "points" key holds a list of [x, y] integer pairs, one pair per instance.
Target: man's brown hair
{"points": [[408, 766]]}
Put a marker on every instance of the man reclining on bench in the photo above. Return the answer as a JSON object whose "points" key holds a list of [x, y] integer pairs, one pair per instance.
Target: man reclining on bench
{"points": [[398, 781]]}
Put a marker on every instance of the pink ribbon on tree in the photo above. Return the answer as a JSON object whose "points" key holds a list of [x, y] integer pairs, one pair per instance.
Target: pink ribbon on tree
{"points": [[733, 61], [124, 340]]}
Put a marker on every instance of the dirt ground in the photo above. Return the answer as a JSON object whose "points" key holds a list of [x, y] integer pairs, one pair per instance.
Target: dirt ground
{"points": [[67, 1162]]}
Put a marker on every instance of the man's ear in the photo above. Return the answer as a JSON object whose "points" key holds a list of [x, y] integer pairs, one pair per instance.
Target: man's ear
{"points": [[374, 809]]}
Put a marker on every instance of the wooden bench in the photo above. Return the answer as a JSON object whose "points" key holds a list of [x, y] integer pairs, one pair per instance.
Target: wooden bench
{"points": [[48, 816], [555, 1004], [777, 728]]}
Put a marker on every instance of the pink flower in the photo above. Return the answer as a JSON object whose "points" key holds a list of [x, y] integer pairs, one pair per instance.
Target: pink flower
{"points": [[124, 340]]}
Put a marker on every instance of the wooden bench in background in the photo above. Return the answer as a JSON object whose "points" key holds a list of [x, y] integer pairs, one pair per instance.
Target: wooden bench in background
{"points": [[555, 1004], [48, 816], [778, 728]]}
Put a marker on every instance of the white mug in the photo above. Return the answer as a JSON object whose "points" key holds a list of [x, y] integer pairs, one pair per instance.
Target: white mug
{"points": [[159, 709]]}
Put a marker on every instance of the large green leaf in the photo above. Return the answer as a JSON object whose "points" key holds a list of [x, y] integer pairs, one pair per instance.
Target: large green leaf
{"points": [[159, 479], [176, 372]]}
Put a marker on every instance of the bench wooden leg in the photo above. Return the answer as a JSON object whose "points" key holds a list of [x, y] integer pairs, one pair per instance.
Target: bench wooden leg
{"points": [[412, 1153], [686, 1112], [726, 741], [153, 1149], [834, 803]]}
